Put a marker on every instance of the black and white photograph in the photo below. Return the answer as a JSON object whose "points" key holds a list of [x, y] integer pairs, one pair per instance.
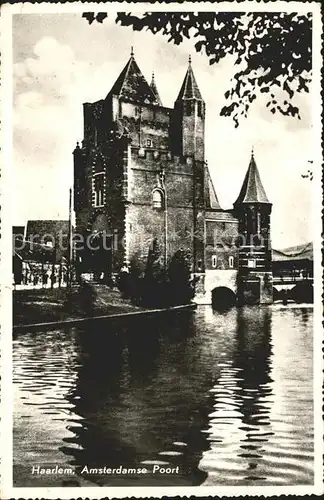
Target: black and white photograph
{"points": [[161, 276]]}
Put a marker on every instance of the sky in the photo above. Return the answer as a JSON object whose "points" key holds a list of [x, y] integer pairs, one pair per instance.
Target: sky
{"points": [[60, 62]]}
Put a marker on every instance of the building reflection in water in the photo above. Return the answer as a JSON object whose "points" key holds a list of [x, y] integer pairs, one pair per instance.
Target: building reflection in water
{"points": [[226, 397], [239, 425], [141, 392]]}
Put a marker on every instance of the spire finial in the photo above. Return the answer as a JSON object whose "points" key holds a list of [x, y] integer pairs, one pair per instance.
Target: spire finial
{"points": [[189, 59], [153, 78], [132, 51], [252, 152]]}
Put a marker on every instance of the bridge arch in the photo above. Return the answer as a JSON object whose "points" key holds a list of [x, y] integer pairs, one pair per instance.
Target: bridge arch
{"points": [[281, 293], [223, 298], [215, 278], [303, 292]]}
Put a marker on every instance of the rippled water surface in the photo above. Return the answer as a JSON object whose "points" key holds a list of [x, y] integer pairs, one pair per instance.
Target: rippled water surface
{"points": [[226, 397]]}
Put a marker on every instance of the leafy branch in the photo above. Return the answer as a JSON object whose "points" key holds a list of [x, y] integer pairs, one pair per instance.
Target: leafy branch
{"points": [[271, 50]]}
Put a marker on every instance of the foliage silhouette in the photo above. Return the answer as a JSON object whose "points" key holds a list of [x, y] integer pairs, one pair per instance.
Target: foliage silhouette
{"points": [[272, 51], [158, 288]]}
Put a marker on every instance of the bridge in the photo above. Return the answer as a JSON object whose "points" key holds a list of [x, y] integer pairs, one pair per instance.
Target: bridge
{"points": [[297, 288], [287, 282]]}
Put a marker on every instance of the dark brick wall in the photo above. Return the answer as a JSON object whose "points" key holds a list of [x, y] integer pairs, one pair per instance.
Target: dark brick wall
{"points": [[145, 123], [144, 223], [254, 226], [131, 144], [220, 242], [188, 131], [256, 288]]}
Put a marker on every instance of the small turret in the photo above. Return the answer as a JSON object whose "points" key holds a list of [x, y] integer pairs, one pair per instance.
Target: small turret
{"points": [[189, 118], [252, 190], [155, 90], [253, 210]]}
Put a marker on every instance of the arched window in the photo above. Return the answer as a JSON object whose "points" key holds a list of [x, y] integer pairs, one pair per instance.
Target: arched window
{"points": [[157, 199], [214, 261], [99, 190], [231, 262]]}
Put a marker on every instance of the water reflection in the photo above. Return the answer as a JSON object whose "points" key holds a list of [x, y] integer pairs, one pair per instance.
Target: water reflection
{"points": [[218, 395], [239, 424], [142, 401]]}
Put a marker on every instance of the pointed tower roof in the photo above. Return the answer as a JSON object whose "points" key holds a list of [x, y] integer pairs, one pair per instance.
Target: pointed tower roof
{"points": [[155, 90], [189, 88], [211, 200], [131, 84], [252, 190]]}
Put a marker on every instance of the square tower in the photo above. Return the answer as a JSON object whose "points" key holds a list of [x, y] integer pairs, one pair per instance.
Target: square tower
{"points": [[139, 175], [253, 209]]}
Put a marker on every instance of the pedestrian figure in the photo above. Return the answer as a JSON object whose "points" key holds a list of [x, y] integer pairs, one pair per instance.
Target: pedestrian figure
{"points": [[49, 279], [52, 279]]}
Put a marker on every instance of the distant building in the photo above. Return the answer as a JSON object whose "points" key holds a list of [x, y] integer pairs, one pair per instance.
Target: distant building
{"points": [[297, 261], [140, 175], [40, 248], [51, 233]]}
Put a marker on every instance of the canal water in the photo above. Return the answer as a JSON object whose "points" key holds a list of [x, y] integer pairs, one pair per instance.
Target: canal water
{"points": [[222, 398]]}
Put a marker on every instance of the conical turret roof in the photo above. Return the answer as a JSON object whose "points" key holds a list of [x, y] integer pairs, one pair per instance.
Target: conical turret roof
{"points": [[211, 200], [155, 90], [252, 190], [132, 86], [189, 88]]}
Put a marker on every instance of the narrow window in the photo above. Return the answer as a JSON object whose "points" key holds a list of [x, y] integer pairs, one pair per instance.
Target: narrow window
{"points": [[148, 143], [231, 262], [258, 223], [157, 199], [199, 108], [214, 261], [99, 190]]}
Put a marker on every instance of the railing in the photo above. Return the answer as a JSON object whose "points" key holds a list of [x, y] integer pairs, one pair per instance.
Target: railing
{"points": [[278, 280]]}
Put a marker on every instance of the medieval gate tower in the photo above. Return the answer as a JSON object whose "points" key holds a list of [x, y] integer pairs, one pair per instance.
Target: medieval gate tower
{"points": [[140, 175]]}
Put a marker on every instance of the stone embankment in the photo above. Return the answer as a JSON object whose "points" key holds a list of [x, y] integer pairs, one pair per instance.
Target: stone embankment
{"points": [[49, 308]]}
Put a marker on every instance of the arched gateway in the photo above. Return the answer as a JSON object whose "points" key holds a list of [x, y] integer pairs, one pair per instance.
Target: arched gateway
{"points": [[223, 298]]}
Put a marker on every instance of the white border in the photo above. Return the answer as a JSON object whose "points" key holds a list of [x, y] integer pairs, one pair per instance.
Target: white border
{"points": [[7, 490]]}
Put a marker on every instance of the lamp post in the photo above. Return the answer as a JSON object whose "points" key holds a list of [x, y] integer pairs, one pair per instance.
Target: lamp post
{"points": [[162, 179], [70, 246]]}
